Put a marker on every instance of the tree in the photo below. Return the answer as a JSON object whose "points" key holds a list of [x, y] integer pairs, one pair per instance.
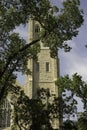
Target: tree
{"points": [[81, 91], [70, 125], [82, 125], [67, 104], [31, 114], [76, 86], [59, 25]]}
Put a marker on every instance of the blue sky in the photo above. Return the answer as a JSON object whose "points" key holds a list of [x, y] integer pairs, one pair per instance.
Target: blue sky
{"points": [[76, 60]]}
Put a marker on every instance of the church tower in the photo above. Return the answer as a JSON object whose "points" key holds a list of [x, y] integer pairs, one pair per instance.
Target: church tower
{"points": [[45, 71]]}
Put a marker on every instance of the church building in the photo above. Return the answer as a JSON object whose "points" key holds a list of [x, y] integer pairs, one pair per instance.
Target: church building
{"points": [[43, 72]]}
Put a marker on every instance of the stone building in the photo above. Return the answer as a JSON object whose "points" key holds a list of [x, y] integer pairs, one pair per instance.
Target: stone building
{"points": [[5, 117], [7, 109], [44, 71]]}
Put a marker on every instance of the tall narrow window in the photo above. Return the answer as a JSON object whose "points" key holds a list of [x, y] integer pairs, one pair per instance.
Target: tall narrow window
{"points": [[37, 67], [37, 29], [5, 114], [47, 67]]}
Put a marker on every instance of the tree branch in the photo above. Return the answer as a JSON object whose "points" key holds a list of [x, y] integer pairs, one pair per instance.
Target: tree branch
{"points": [[16, 53], [3, 87]]}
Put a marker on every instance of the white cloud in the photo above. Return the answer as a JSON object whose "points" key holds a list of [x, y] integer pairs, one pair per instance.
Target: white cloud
{"points": [[22, 31], [72, 62]]}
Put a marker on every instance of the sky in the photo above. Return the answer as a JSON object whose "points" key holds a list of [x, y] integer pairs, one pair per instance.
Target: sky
{"points": [[74, 61]]}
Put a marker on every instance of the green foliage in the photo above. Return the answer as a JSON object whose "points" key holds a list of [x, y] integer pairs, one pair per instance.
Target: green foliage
{"points": [[39, 113], [76, 87], [68, 104], [82, 121], [31, 114], [70, 125], [58, 25], [64, 27]]}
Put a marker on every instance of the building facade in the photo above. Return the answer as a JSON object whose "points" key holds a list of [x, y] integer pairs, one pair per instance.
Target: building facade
{"points": [[43, 72], [5, 112]]}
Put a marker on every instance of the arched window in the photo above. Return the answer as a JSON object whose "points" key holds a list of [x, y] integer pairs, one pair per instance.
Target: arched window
{"points": [[5, 111], [37, 28]]}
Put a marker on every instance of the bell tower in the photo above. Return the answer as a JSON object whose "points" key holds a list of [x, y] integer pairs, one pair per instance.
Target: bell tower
{"points": [[45, 71]]}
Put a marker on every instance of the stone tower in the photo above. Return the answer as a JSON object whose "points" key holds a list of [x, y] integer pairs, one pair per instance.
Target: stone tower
{"points": [[43, 74], [45, 71]]}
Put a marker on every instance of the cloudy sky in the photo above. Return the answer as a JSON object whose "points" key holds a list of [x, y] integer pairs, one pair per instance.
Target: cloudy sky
{"points": [[75, 60]]}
